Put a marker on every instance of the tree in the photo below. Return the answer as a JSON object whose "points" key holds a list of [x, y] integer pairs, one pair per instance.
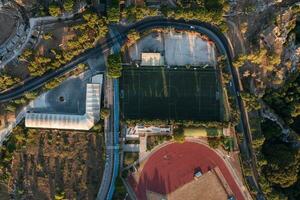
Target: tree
{"points": [[178, 134], [113, 14], [295, 109], [120, 191], [114, 66], [68, 5], [31, 95], [7, 81], [283, 163], [104, 113], [132, 36], [59, 196], [11, 108], [47, 36], [251, 101], [214, 142], [54, 10]]}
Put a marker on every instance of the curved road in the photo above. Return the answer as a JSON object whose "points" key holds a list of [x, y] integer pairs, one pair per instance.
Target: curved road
{"points": [[157, 22]]}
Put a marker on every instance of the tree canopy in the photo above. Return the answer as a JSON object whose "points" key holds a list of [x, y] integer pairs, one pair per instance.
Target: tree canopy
{"points": [[283, 162], [114, 66]]}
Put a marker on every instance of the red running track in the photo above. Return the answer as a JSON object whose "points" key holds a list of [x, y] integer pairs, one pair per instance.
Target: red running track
{"points": [[174, 165]]}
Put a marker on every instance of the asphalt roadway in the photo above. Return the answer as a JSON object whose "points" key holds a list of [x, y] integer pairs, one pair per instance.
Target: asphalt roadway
{"points": [[156, 22]]}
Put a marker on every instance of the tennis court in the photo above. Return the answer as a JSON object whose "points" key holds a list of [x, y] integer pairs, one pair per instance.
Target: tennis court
{"points": [[162, 93]]}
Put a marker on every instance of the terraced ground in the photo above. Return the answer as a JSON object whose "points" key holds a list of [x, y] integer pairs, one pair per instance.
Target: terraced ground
{"points": [[49, 163]]}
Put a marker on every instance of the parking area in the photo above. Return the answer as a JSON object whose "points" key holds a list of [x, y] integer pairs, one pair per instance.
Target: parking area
{"points": [[178, 48], [67, 98]]}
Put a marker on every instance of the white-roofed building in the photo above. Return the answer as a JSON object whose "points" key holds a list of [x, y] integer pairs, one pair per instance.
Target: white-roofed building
{"points": [[152, 59], [75, 122]]}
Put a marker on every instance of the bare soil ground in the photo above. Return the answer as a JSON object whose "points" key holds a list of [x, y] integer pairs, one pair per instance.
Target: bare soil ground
{"points": [[59, 162]]}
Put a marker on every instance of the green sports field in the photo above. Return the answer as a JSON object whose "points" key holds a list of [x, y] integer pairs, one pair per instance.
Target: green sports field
{"points": [[161, 93]]}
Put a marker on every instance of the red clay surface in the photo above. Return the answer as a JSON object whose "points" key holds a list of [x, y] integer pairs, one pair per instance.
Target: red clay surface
{"points": [[174, 165]]}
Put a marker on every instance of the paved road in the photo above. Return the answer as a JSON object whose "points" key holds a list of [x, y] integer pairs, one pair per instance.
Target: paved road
{"points": [[35, 24], [36, 83], [116, 140], [223, 45], [156, 22], [106, 179]]}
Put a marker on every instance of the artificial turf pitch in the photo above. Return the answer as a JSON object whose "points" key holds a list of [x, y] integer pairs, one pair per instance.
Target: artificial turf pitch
{"points": [[161, 93]]}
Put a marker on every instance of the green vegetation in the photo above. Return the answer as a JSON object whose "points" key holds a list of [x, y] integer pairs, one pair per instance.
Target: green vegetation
{"points": [[285, 101], [210, 11], [58, 80], [87, 34], [114, 65], [137, 13], [231, 107], [251, 101], [113, 12], [120, 190], [59, 196], [12, 105], [214, 142], [154, 140], [201, 14], [46, 36], [178, 134], [17, 140], [278, 164], [263, 58], [7, 81], [225, 142], [130, 158], [104, 113], [54, 10], [68, 5], [51, 154], [133, 36], [183, 123], [202, 132], [257, 137], [281, 158]]}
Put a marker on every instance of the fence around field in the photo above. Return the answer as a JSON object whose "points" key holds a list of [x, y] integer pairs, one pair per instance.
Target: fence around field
{"points": [[156, 92]]}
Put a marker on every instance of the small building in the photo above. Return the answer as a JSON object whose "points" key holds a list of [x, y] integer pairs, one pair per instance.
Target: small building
{"points": [[133, 133], [198, 174], [152, 59]]}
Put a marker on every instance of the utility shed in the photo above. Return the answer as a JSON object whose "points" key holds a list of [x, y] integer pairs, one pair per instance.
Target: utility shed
{"points": [[152, 59], [73, 122]]}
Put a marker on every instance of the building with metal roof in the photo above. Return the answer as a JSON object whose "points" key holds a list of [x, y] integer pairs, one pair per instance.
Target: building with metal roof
{"points": [[65, 121]]}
